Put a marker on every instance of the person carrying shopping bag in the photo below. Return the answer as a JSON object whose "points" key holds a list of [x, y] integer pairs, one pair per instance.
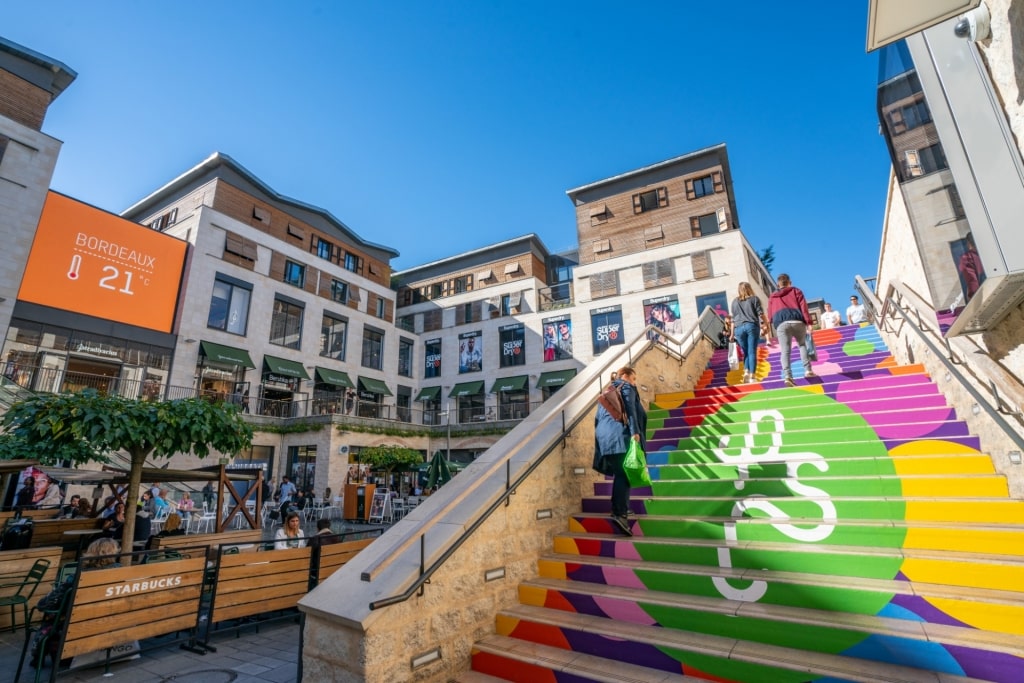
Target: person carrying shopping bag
{"points": [[612, 434]]}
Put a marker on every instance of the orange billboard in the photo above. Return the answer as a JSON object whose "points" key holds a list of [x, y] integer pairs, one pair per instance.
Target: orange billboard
{"points": [[96, 263]]}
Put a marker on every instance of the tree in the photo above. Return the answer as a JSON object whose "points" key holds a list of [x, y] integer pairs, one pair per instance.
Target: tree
{"points": [[767, 257], [86, 426], [391, 458]]}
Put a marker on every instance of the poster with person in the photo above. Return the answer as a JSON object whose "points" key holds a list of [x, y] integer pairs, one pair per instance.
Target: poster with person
{"points": [[606, 328], [513, 345], [662, 313], [471, 355], [432, 358], [557, 338], [718, 302]]}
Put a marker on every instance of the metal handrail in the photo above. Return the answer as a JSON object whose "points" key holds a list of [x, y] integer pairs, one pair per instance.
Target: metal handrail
{"points": [[891, 306], [703, 328]]}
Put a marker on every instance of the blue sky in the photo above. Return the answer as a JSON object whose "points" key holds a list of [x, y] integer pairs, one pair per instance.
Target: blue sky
{"points": [[436, 128]]}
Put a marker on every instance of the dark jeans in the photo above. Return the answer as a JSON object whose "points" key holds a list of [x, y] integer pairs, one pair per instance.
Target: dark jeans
{"points": [[620, 485], [747, 336]]}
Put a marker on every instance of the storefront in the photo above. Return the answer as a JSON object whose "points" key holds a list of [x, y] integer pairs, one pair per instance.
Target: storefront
{"points": [[513, 397], [281, 380], [371, 393], [221, 373], [71, 352], [551, 382], [430, 397], [469, 401], [329, 391]]}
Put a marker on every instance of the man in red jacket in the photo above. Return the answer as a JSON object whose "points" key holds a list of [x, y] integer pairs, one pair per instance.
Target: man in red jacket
{"points": [[787, 309]]}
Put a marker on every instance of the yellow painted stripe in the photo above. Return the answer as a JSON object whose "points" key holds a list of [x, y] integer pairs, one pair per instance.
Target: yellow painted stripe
{"points": [[505, 624], [961, 464], [532, 595], [672, 400], [566, 546], [988, 541], [1005, 577], [993, 487], [984, 615], [992, 512], [551, 570], [575, 527]]}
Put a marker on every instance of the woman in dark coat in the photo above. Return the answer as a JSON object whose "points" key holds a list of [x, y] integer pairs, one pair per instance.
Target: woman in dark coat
{"points": [[611, 440]]}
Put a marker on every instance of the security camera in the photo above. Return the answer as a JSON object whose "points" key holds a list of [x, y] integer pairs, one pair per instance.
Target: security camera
{"points": [[975, 25]]}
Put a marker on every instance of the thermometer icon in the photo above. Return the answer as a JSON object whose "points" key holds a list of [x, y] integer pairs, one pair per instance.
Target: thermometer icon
{"points": [[76, 263]]}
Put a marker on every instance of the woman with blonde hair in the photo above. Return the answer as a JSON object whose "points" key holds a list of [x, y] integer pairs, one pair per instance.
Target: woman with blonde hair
{"points": [[101, 553], [747, 318]]}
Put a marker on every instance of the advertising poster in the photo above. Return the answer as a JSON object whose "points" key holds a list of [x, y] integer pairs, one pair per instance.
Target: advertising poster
{"points": [[718, 303], [513, 345], [471, 354], [606, 328], [432, 358], [662, 313], [95, 263], [557, 338]]}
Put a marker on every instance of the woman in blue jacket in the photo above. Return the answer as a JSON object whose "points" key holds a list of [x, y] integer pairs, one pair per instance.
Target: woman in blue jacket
{"points": [[611, 440]]}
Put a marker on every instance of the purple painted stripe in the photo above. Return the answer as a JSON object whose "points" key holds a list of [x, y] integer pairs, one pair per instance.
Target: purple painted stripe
{"points": [[632, 652]]}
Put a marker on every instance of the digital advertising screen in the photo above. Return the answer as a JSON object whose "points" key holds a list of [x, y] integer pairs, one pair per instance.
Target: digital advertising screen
{"points": [[93, 262]]}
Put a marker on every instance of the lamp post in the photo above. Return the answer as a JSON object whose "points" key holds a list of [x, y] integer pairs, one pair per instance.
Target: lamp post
{"points": [[448, 429]]}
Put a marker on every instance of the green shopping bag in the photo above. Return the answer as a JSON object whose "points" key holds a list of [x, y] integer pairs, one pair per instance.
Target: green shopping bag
{"points": [[635, 465]]}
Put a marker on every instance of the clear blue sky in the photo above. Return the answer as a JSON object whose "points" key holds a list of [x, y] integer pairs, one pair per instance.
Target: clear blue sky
{"points": [[441, 127]]}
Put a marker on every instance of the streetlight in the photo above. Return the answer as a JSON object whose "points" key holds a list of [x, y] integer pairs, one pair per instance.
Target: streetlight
{"points": [[448, 428]]}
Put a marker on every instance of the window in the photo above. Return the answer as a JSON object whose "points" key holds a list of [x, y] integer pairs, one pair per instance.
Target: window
{"points": [[339, 291], [286, 324], [239, 246], [463, 284], [657, 273], [433, 320], [406, 323], [650, 200], [506, 304], [380, 307], [324, 249], [165, 221], [467, 313], [603, 284], [333, 331], [261, 215], [908, 117], [373, 348], [405, 357], [353, 263], [229, 305], [703, 186], [700, 261], [704, 225], [294, 273], [296, 232], [923, 161]]}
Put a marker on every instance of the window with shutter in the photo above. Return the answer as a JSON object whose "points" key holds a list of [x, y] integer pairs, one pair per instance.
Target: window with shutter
{"points": [[601, 246], [653, 233], [604, 284], [691, 190], [717, 182], [723, 220], [896, 123], [701, 263], [694, 226], [657, 273], [432, 320], [511, 268], [913, 163], [296, 232], [261, 214], [239, 246]]}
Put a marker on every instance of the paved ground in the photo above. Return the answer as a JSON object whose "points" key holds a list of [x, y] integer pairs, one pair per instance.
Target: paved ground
{"points": [[267, 653]]}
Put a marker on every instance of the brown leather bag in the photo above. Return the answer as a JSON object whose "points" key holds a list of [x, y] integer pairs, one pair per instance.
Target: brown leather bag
{"points": [[611, 400]]}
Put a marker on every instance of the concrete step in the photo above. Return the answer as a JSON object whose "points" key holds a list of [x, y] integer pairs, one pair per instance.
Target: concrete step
{"points": [[514, 659], [669, 650]]}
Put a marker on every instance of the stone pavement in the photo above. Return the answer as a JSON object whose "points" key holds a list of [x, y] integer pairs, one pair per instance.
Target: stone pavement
{"points": [[267, 655]]}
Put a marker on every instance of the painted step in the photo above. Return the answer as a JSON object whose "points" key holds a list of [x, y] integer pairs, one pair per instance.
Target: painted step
{"points": [[983, 608], [810, 509], [909, 642], [670, 650], [477, 677], [979, 486], [972, 570], [514, 659], [985, 539]]}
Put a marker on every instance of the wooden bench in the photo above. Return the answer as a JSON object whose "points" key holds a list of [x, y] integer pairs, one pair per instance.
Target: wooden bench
{"points": [[244, 537], [334, 555], [51, 531], [248, 584], [45, 513], [14, 565], [122, 604]]}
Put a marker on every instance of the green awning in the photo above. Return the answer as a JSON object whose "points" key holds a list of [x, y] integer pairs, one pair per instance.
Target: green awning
{"points": [[517, 383], [467, 389], [555, 379], [429, 394], [335, 377], [285, 368], [374, 386], [226, 354]]}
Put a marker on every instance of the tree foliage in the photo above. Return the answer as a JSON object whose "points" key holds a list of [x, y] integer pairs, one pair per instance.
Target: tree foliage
{"points": [[767, 256], [86, 426], [391, 458]]}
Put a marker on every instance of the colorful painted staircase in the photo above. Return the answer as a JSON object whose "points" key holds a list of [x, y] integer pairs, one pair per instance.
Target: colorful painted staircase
{"points": [[848, 529]]}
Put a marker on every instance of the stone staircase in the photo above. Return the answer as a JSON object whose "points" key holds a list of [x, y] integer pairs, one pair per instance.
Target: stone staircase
{"points": [[847, 529]]}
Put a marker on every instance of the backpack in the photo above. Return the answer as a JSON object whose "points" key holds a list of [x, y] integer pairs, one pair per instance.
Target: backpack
{"points": [[611, 400]]}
